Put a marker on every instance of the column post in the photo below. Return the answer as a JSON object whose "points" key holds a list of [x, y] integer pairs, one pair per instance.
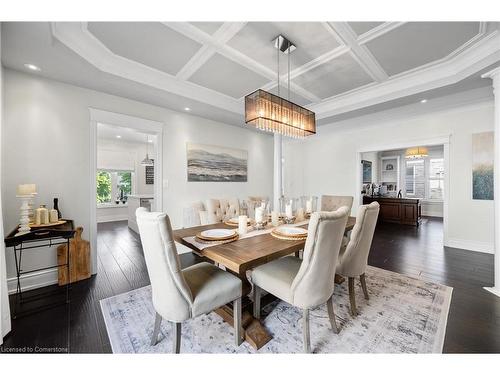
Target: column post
{"points": [[494, 75]]}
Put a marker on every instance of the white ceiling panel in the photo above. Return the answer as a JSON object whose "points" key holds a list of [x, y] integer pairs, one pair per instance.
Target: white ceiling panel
{"points": [[311, 38], [149, 43], [334, 77], [417, 43], [208, 27], [362, 27], [226, 76]]}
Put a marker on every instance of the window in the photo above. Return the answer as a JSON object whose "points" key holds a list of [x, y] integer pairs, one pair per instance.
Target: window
{"points": [[436, 178], [424, 178], [415, 178], [111, 185]]}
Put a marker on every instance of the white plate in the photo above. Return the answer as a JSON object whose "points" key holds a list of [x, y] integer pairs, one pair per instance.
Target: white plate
{"points": [[291, 231], [218, 233]]}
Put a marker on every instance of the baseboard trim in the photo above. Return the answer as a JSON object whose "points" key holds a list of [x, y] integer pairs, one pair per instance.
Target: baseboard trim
{"points": [[33, 280], [480, 247], [110, 218]]}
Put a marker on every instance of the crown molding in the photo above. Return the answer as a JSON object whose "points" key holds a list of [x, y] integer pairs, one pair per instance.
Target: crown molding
{"points": [[482, 54], [77, 37]]}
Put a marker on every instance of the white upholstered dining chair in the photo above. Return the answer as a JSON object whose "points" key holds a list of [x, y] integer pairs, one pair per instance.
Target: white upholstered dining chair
{"points": [[222, 209], [334, 202], [353, 258], [309, 282], [179, 295]]}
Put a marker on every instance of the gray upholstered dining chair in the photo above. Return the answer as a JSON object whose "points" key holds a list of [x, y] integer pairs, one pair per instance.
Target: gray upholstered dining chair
{"points": [[334, 202], [353, 258], [179, 295], [309, 282]]}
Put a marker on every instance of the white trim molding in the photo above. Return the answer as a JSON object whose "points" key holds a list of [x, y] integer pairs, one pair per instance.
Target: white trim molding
{"points": [[480, 247], [33, 280], [127, 121]]}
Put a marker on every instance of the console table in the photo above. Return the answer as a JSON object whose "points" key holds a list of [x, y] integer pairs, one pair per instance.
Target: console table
{"points": [[37, 240], [397, 210]]}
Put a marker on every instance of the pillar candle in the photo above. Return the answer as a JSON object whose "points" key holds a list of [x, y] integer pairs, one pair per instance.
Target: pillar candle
{"points": [[275, 218], [242, 224], [26, 189], [259, 214], [309, 206], [288, 211]]}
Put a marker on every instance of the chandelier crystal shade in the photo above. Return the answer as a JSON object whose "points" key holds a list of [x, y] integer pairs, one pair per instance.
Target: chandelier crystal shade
{"points": [[274, 114], [416, 153]]}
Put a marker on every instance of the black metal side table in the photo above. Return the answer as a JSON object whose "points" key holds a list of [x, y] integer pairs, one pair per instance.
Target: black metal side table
{"points": [[39, 239]]}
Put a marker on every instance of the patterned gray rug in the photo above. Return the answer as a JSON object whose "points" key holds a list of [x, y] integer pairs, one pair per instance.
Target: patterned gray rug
{"points": [[403, 315]]}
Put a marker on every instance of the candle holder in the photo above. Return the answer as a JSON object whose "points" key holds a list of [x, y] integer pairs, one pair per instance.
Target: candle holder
{"points": [[288, 207], [309, 205], [25, 208]]}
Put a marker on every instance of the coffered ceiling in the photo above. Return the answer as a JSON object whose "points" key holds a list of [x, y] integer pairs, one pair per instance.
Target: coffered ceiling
{"points": [[338, 67]]}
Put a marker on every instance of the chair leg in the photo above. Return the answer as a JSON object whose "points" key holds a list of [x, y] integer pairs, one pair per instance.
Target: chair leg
{"points": [[237, 321], [352, 297], [362, 278], [256, 301], [305, 329], [176, 328], [156, 330], [331, 315]]}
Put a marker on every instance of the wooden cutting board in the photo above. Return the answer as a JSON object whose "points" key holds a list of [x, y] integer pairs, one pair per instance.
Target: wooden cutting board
{"points": [[79, 252]]}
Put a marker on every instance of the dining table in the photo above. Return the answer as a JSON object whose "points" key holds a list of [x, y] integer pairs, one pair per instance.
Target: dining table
{"points": [[239, 257]]}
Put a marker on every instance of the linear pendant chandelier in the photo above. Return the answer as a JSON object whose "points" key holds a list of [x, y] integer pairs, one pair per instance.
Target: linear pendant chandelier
{"points": [[272, 113]]}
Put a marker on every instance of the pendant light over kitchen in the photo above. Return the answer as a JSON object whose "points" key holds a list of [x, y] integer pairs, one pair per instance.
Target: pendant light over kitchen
{"points": [[146, 162], [274, 114]]}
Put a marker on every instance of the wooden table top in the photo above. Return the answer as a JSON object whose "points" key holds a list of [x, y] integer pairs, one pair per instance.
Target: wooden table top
{"points": [[247, 253]]}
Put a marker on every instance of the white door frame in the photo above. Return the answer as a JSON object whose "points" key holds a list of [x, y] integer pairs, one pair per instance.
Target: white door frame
{"points": [[117, 119], [444, 140]]}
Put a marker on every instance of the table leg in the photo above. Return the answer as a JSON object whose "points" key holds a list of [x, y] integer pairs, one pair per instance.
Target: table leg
{"points": [[255, 332]]}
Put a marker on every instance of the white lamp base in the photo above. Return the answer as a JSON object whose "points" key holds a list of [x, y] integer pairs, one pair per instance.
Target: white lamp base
{"points": [[494, 290]]}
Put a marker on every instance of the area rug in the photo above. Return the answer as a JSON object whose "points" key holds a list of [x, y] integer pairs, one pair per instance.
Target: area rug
{"points": [[403, 315]]}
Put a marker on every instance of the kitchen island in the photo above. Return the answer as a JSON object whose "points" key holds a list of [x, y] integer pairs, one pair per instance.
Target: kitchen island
{"points": [[134, 202], [406, 211]]}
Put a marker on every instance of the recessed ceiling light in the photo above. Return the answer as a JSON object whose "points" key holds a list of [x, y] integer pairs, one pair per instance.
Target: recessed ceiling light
{"points": [[118, 136], [32, 67], [187, 109], [423, 101]]}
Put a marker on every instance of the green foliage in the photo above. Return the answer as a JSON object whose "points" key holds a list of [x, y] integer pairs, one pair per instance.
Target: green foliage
{"points": [[482, 182], [125, 182], [103, 187]]}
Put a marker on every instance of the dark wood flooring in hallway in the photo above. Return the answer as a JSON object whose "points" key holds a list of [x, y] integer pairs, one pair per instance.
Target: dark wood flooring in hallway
{"points": [[78, 327]]}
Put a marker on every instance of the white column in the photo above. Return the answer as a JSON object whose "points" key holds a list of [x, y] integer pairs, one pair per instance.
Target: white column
{"points": [[495, 76], [278, 170]]}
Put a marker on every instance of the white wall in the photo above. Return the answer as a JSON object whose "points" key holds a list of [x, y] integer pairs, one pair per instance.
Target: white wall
{"points": [[5, 325], [46, 141], [328, 162]]}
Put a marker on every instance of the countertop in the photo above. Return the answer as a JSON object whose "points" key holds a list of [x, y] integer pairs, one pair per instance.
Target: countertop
{"points": [[142, 196]]}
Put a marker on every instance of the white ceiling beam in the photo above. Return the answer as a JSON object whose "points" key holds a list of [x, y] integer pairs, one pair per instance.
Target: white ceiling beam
{"points": [[360, 53], [77, 38], [451, 70], [222, 35], [378, 31], [199, 36]]}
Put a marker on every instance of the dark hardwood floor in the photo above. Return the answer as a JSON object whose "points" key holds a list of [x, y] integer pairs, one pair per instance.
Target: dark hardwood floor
{"points": [[78, 327]]}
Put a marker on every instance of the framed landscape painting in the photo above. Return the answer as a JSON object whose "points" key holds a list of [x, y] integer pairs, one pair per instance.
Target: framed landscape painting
{"points": [[482, 166], [207, 163]]}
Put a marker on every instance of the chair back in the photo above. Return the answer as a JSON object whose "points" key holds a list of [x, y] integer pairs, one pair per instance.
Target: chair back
{"points": [[315, 280], [191, 215], [334, 202], [172, 298], [222, 209], [355, 258]]}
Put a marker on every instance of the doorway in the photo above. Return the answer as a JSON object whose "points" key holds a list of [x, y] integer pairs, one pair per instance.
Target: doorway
{"points": [[126, 171]]}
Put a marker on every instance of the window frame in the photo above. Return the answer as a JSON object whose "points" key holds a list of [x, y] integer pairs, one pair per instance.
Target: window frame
{"points": [[114, 187]]}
